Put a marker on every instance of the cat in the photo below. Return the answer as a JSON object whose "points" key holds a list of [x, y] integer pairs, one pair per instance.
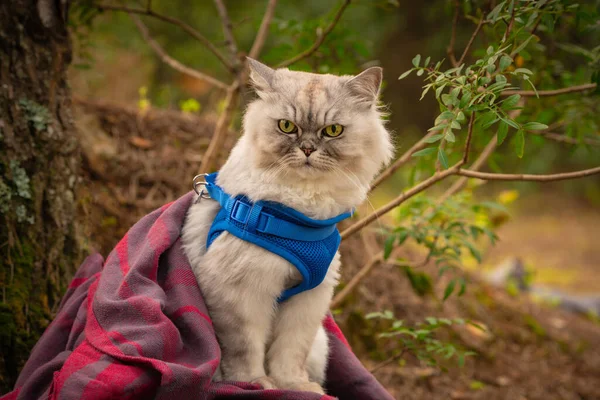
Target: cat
{"points": [[312, 142]]}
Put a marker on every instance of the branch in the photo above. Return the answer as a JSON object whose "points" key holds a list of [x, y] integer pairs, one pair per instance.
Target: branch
{"points": [[450, 49], [171, 61], [471, 40], [187, 28], [364, 271], [216, 142], [357, 226], [387, 362], [263, 31], [526, 177], [555, 92], [460, 182], [228, 31], [404, 158], [468, 140], [565, 139], [320, 39]]}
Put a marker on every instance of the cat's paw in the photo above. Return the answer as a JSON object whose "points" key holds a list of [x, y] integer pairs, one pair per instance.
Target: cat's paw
{"points": [[303, 387], [265, 382]]}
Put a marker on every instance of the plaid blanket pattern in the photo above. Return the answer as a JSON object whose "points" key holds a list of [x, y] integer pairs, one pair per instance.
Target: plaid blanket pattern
{"points": [[136, 327]]}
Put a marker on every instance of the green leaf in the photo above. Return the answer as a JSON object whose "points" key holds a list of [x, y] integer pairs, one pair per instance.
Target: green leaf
{"points": [[434, 138], [495, 12], [491, 68], [523, 71], [490, 50], [502, 132], [510, 101], [420, 72], [463, 286], [445, 115], [388, 247], [450, 136], [442, 158], [424, 152], [535, 126], [523, 45], [449, 289], [438, 127], [505, 62], [520, 143], [416, 60], [460, 116], [427, 61], [404, 75], [465, 99], [455, 125]]}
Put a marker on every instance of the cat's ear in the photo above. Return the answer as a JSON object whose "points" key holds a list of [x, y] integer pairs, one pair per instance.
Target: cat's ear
{"points": [[261, 76], [365, 86]]}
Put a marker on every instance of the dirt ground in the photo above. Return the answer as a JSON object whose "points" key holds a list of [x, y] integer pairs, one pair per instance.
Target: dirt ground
{"points": [[134, 163]]}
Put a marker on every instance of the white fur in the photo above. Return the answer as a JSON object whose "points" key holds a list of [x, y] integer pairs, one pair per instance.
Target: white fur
{"points": [[283, 345]]}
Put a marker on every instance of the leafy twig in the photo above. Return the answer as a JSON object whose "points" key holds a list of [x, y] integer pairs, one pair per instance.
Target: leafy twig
{"points": [[171, 61], [320, 39], [557, 137]]}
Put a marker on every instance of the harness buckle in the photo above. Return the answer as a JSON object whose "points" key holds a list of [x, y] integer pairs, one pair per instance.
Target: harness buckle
{"points": [[199, 181]]}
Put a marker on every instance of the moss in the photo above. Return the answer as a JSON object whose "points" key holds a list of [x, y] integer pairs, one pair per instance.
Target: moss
{"points": [[37, 115]]}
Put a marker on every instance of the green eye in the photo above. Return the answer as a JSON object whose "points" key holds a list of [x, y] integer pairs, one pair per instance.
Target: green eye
{"points": [[287, 126], [333, 130]]}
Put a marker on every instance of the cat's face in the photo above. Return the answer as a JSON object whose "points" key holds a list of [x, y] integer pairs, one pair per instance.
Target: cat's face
{"points": [[312, 126]]}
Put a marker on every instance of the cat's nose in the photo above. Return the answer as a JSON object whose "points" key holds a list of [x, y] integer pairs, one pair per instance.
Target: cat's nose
{"points": [[307, 149]]}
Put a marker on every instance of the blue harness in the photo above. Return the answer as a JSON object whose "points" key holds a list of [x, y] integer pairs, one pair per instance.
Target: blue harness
{"points": [[308, 244]]}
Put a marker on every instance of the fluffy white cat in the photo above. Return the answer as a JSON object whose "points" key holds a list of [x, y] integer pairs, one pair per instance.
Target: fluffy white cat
{"points": [[313, 143]]}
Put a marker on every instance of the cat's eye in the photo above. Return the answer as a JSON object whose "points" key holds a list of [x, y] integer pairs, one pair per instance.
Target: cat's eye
{"points": [[287, 126], [333, 130]]}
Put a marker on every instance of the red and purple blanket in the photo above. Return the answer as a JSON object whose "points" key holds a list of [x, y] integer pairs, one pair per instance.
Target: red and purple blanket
{"points": [[136, 327]]}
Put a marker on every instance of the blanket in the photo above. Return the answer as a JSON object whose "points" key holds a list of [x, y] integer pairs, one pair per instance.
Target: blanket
{"points": [[136, 327]]}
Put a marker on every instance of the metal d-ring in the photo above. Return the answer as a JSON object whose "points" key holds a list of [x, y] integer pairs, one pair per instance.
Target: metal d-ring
{"points": [[200, 181]]}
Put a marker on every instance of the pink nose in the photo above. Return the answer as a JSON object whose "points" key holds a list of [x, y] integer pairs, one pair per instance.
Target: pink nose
{"points": [[307, 150]]}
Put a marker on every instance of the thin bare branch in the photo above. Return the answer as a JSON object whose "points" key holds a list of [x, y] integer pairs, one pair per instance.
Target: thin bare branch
{"points": [[218, 138], [470, 42], [460, 182], [228, 31], [263, 31], [387, 362], [527, 177], [357, 226], [403, 159], [320, 39], [559, 137], [468, 140], [555, 92], [364, 271], [510, 25], [165, 18], [450, 48], [171, 61]]}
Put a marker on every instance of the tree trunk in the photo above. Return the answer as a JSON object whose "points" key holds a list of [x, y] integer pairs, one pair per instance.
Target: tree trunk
{"points": [[39, 161]]}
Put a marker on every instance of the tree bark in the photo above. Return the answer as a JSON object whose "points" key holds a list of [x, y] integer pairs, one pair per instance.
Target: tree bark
{"points": [[39, 166]]}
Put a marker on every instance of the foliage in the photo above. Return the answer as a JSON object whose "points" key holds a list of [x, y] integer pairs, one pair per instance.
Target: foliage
{"points": [[420, 339], [446, 230]]}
